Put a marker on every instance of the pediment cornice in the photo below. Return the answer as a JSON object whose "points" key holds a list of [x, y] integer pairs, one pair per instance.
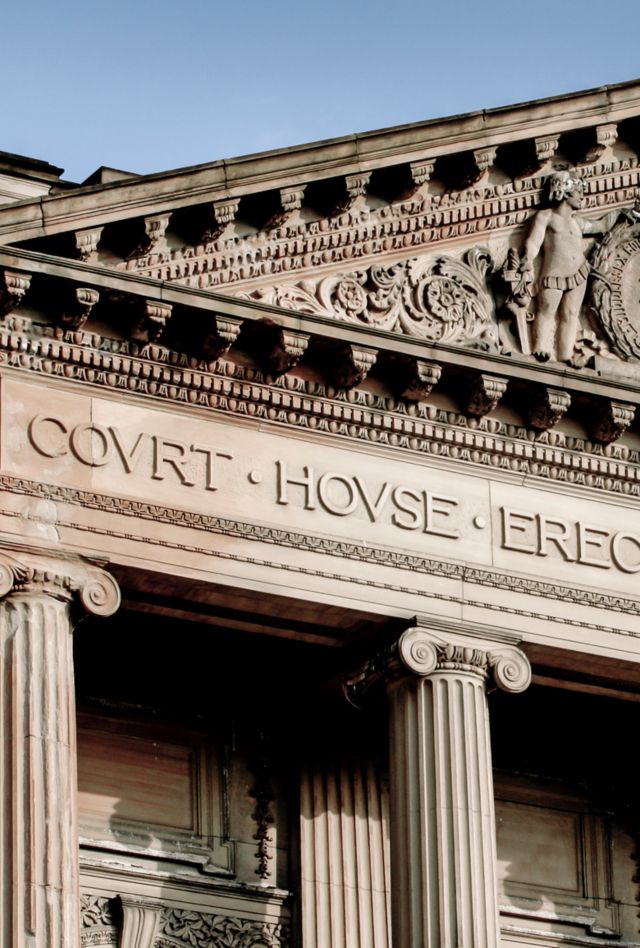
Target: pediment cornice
{"points": [[437, 284], [478, 133]]}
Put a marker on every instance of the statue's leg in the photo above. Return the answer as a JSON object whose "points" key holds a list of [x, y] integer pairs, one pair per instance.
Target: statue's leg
{"points": [[544, 324], [569, 320]]}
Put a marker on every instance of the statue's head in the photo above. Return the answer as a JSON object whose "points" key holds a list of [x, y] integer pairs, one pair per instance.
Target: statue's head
{"points": [[565, 186]]}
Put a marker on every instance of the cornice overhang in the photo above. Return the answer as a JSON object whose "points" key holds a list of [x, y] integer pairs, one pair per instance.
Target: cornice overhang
{"points": [[184, 187], [206, 307]]}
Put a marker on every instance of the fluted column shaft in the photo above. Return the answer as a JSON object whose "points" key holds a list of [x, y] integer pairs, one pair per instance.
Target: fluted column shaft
{"points": [[443, 851], [344, 856], [38, 799]]}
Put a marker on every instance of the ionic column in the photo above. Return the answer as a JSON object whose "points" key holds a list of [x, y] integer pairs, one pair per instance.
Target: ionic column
{"points": [[39, 905], [443, 850]]}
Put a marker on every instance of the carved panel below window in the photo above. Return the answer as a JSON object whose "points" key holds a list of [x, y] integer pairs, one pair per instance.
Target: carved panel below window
{"points": [[145, 791], [554, 860]]}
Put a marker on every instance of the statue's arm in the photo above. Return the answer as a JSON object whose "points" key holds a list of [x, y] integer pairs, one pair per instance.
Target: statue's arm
{"points": [[600, 226], [535, 239], [604, 224]]}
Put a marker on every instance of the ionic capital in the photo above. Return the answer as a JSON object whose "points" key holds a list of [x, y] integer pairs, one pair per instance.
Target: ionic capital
{"points": [[36, 573], [425, 653]]}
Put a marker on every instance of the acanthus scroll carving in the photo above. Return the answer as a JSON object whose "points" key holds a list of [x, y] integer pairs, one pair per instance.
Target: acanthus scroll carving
{"points": [[195, 930], [97, 925], [438, 299]]}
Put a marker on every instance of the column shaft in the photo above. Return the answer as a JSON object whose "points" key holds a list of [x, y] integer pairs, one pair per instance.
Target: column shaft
{"points": [[344, 850], [442, 814], [38, 808]]}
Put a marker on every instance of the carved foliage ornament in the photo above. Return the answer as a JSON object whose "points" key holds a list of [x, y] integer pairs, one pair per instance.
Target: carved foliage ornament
{"points": [[178, 928], [438, 299], [196, 930], [615, 294], [97, 926]]}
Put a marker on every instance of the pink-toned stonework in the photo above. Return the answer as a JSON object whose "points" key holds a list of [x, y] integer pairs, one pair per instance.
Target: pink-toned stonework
{"points": [[320, 542]]}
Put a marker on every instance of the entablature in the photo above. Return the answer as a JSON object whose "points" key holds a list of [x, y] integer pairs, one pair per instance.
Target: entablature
{"points": [[148, 336]]}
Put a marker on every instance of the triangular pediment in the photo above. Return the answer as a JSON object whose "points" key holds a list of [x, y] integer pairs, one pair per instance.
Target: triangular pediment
{"points": [[419, 233]]}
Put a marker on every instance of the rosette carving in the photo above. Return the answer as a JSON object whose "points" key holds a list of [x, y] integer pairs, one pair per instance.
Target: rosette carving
{"points": [[438, 299]]}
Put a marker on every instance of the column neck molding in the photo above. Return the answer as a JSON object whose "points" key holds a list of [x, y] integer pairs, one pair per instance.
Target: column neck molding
{"points": [[29, 572], [424, 652]]}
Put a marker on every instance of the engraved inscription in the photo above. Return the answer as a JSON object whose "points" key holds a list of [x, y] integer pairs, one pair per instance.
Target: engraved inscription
{"points": [[341, 495], [97, 445], [572, 541], [213, 468]]}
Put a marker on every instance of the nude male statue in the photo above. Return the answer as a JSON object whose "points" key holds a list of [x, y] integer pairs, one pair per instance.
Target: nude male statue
{"points": [[558, 232]]}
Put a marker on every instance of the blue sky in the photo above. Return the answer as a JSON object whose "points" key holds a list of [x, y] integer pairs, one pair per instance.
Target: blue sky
{"points": [[148, 85]]}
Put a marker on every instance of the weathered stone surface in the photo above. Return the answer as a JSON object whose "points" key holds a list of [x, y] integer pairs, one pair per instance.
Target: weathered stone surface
{"points": [[38, 815], [295, 398]]}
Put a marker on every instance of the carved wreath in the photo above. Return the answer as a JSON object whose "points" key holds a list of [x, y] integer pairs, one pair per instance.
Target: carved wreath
{"points": [[616, 264]]}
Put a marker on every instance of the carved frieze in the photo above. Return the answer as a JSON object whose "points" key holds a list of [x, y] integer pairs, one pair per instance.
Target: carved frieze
{"points": [[438, 299], [298, 243], [170, 377], [97, 925], [197, 930], [174, 928]]}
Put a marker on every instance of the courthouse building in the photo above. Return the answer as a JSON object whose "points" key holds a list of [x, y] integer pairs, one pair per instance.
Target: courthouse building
{"points": [[320, 542]]}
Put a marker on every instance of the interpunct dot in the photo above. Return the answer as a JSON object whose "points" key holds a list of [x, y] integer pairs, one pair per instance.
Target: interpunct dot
{"points": [[255, 477], [479, 522]]}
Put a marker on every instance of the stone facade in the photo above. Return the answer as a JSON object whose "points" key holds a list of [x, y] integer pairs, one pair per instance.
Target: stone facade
{"points": [[320, 542]]}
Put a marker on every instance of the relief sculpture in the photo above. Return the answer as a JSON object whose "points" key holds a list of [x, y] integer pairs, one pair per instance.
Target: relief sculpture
{"points": [[549, 280], [438, 299], [615, 294]]}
